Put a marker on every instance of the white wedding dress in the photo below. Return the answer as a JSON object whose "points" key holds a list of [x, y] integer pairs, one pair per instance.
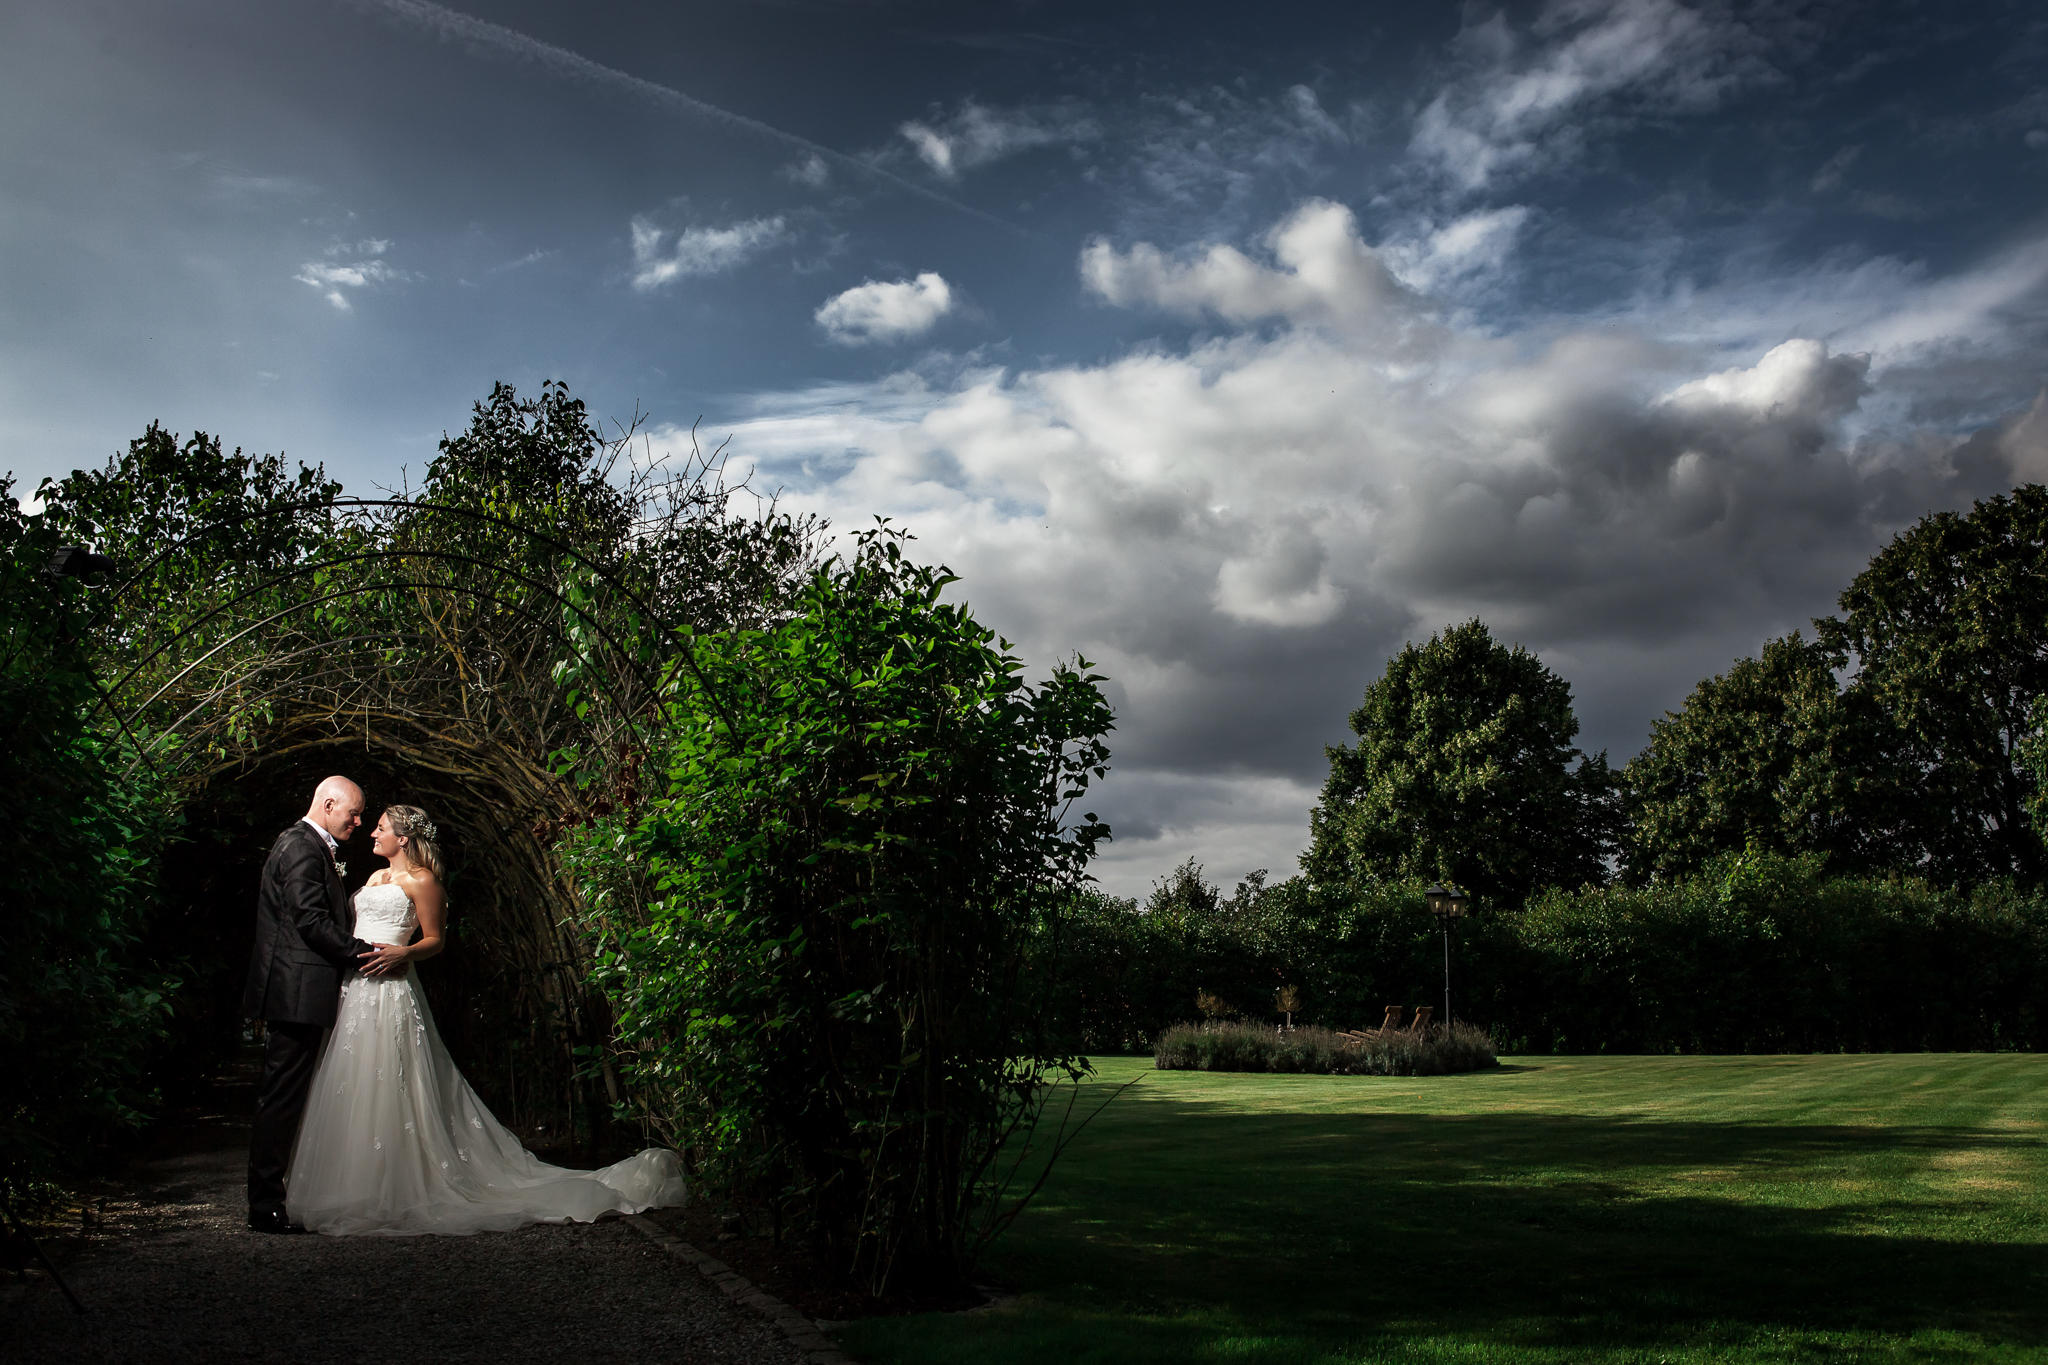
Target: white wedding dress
{"points": [[395, 1143]]}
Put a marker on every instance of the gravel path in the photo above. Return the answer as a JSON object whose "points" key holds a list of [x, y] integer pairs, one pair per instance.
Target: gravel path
{"points": [[177, 1277]]}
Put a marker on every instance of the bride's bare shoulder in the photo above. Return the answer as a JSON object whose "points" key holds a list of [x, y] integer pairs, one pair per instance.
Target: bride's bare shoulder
{"points": [[418, 878]]}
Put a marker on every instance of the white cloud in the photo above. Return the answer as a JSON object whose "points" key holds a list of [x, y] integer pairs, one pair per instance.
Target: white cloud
{"points": [[1280, 576], [811, 171], [1798, 378], [1239, 532], [1522, 99], [1214, 160], [1327, 274], [1970, 305], [334, 275], [893, 310], [974, 134], [530, 258], [1475, 244], [698, 251]]}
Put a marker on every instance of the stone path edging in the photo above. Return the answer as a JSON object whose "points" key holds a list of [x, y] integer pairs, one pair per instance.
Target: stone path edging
{"points": [[803, 1333]]}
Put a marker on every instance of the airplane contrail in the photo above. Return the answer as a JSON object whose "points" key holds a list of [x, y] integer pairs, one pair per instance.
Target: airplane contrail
{"points": [[496, 39]]}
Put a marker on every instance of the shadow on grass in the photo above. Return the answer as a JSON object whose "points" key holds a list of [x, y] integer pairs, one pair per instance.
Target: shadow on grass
{"points": [[1290, 1236]]}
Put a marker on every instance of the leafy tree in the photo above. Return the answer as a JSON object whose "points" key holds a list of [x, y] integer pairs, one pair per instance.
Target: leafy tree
{"points": [[1947, 631], [2033, 757], [1187, 900], [163, 491], [1772, 755], [539, 463], [1184, 897], [1463, 770], [818, 934]]}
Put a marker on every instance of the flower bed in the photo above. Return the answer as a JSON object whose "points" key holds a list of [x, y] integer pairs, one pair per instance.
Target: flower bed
{"points": [[1321, 1051]]}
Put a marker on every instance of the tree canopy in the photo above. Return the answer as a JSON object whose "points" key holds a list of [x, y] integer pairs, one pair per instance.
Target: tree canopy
{"points": [[1897, 740], [1772, 754], [1947, 633], [1464, 769]]}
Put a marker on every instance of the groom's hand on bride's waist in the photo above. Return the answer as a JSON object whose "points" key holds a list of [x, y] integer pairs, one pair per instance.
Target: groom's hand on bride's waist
{"points": [[383, 959]]}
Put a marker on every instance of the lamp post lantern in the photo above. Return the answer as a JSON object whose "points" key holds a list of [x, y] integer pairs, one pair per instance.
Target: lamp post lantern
{"points": [[77, 561], [1446, 903]]}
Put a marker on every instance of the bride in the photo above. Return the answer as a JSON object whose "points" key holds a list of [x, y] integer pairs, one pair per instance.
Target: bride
{"points": [[394, 1142]]}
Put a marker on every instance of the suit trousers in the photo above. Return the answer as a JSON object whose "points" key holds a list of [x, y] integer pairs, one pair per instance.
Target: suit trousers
{"points": [[288, 1060]]}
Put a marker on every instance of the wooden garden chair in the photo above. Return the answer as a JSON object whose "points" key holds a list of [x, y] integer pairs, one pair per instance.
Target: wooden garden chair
{"points": [[1421, 1019], [1390, 1024]]}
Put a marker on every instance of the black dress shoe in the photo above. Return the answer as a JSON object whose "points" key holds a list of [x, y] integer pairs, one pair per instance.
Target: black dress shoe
{"points": [[273, 1220]]}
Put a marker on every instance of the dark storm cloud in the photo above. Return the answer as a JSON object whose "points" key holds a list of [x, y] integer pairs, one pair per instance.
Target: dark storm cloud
{"points": [[1240, 531]]}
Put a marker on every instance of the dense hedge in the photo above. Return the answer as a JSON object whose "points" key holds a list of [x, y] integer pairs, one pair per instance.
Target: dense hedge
{"points": [[1762, 953]]}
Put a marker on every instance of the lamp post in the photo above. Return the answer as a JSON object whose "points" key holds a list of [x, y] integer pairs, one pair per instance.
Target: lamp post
{"points": [[1446, 903], [79, 562], [76, 561]]}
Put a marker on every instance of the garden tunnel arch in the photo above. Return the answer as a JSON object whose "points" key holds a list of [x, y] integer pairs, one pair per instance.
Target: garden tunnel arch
{"points": [[257, 685]]}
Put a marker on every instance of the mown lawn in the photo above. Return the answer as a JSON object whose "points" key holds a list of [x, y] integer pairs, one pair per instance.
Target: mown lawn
{"points": [[1641, 1209]]}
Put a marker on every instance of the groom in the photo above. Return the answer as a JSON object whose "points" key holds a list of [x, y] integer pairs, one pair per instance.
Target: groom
{"points": [[302, 948]]}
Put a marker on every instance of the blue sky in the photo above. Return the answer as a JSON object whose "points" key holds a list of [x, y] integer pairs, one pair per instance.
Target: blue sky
{"points": [[1229, 345]]}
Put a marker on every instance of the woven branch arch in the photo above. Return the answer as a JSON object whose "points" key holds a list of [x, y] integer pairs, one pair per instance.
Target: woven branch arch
{"points": [[400, 652]]}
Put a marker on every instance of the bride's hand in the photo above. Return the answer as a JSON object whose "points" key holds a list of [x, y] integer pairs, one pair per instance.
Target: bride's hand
{"points": [[386, 960]]}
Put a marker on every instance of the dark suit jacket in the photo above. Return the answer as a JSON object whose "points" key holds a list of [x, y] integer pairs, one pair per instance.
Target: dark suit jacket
{"points": [[303, 943]]}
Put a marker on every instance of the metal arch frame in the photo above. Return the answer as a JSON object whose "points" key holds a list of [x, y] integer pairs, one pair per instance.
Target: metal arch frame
{"points": [[603, 574], [366, 556], [345, 640], [356, 591]]}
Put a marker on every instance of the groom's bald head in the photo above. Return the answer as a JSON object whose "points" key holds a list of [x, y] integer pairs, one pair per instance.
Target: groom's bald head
{"points": [[337, 807]]}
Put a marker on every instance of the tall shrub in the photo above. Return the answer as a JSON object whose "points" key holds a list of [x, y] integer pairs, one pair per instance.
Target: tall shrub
{"points": [[81, 1006], [823, 989]]}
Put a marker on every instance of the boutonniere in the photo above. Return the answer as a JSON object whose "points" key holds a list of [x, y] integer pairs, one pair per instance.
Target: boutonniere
{"points": [[340, 868]]}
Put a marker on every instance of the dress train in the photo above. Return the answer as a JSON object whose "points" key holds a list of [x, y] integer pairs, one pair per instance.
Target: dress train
{"points": [[395, 1143]]}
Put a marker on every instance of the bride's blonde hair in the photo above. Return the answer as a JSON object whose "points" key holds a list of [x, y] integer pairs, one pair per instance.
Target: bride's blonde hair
{"points": [[422, 840]]}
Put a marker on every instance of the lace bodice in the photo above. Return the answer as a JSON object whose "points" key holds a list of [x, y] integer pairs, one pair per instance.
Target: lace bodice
{"points": [[384, 914]]}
